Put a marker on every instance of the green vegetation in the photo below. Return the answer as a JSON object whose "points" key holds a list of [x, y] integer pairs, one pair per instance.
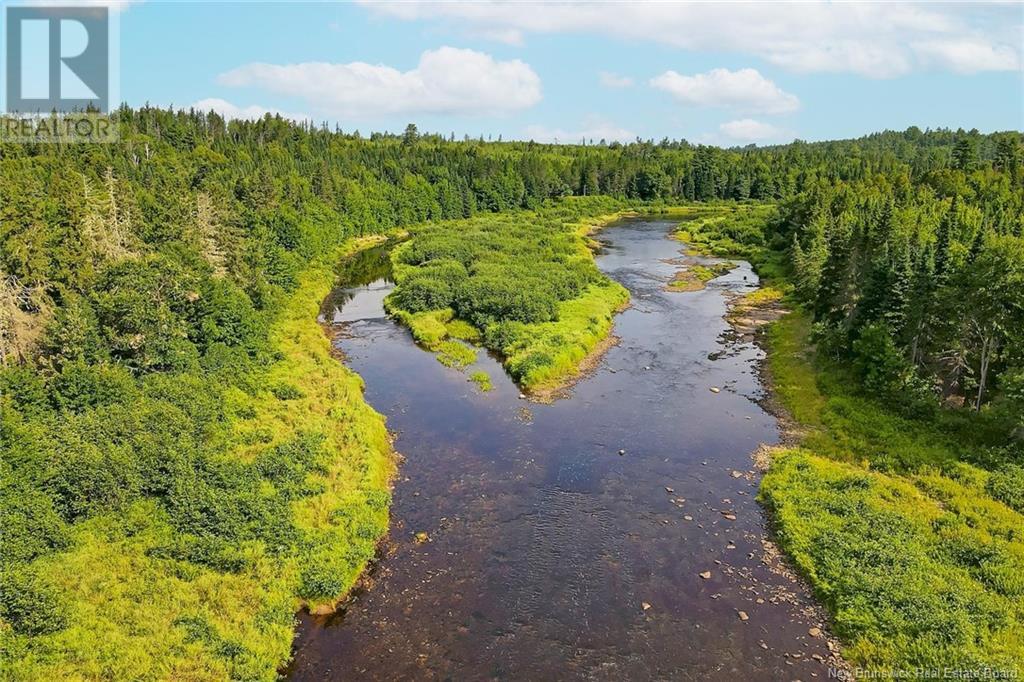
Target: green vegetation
{"points": [[901, 501], [167, 527], [482, 380], [918, 554], [732, 231], [182, 462], [525, 283], [455, 354], [694, 277]]}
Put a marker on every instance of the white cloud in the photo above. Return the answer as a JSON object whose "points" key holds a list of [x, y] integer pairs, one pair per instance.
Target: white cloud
{"points": [[876, 61], [749, 130], [251, 113], [614, 80], [873, 39], [446, 81], [968, 56], [593, 128], [745, 89], [509, 36]]}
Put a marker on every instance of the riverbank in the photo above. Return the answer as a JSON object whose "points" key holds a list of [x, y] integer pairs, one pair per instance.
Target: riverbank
{"points": [[918, 561], [612, 533], [907, 540], [302, 466], [355, 464]]}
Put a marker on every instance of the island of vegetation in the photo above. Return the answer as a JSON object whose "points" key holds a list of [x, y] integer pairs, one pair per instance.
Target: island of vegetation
{"points": [[524, 284], [183, 464]]}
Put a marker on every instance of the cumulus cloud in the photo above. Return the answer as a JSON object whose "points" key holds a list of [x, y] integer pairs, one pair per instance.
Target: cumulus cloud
{"points": [[968, 56], [749, 130], [593, 128], [251, 113], [879, 40], [613, 80], [745, 89], [445, 81]]}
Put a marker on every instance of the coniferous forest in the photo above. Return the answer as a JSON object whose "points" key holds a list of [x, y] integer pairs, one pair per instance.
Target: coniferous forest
{"points": [[176, 439]]}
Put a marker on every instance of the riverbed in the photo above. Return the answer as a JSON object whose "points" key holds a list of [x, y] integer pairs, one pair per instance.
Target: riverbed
{"points": [[613, 534]]}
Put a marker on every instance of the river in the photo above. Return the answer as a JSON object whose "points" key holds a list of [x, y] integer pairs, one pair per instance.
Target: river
{"points": [[549, 554]]}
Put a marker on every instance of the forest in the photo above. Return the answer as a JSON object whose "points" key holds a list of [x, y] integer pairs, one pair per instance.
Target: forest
{"points": [[176, 439]]}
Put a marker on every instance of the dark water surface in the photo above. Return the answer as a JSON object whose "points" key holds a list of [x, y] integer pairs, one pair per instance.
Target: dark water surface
{"points": [[545, 543]]}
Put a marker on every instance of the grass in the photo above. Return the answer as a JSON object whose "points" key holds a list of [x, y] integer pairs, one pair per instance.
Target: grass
{"points": [[919, 563], [133, 606], [731, 231], [482, 380], [695, 277], [546, 354], [762, 296], [429, 328], [455, 354]]}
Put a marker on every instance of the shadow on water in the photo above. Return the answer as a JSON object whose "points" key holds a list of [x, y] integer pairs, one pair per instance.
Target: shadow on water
{"points": [[550, 555], [367, 277]]}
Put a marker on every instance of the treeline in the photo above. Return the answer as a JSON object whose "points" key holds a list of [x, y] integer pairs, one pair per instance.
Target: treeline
{"points": [[919, 279], [255, 200]]}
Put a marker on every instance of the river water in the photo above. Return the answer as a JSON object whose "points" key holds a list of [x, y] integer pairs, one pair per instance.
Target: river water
{"points": [[550, 555]]}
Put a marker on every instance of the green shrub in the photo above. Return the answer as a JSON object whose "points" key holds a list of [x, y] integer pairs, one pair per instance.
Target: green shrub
{"points": [[80, 386], [1007, 486]]}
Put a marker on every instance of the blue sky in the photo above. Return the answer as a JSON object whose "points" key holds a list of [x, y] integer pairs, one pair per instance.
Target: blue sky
{"points": [[718, 73]]}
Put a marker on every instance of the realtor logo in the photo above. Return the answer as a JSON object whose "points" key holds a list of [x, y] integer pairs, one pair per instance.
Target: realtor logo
{"points": [[57, 59]]}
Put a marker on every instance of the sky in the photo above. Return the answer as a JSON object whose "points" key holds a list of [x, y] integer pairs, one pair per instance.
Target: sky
{"points": [[715, 73]]}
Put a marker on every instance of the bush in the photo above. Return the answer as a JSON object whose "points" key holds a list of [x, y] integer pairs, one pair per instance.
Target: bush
{"points": [[28, 604], [1007, 486], [80, 386]]}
